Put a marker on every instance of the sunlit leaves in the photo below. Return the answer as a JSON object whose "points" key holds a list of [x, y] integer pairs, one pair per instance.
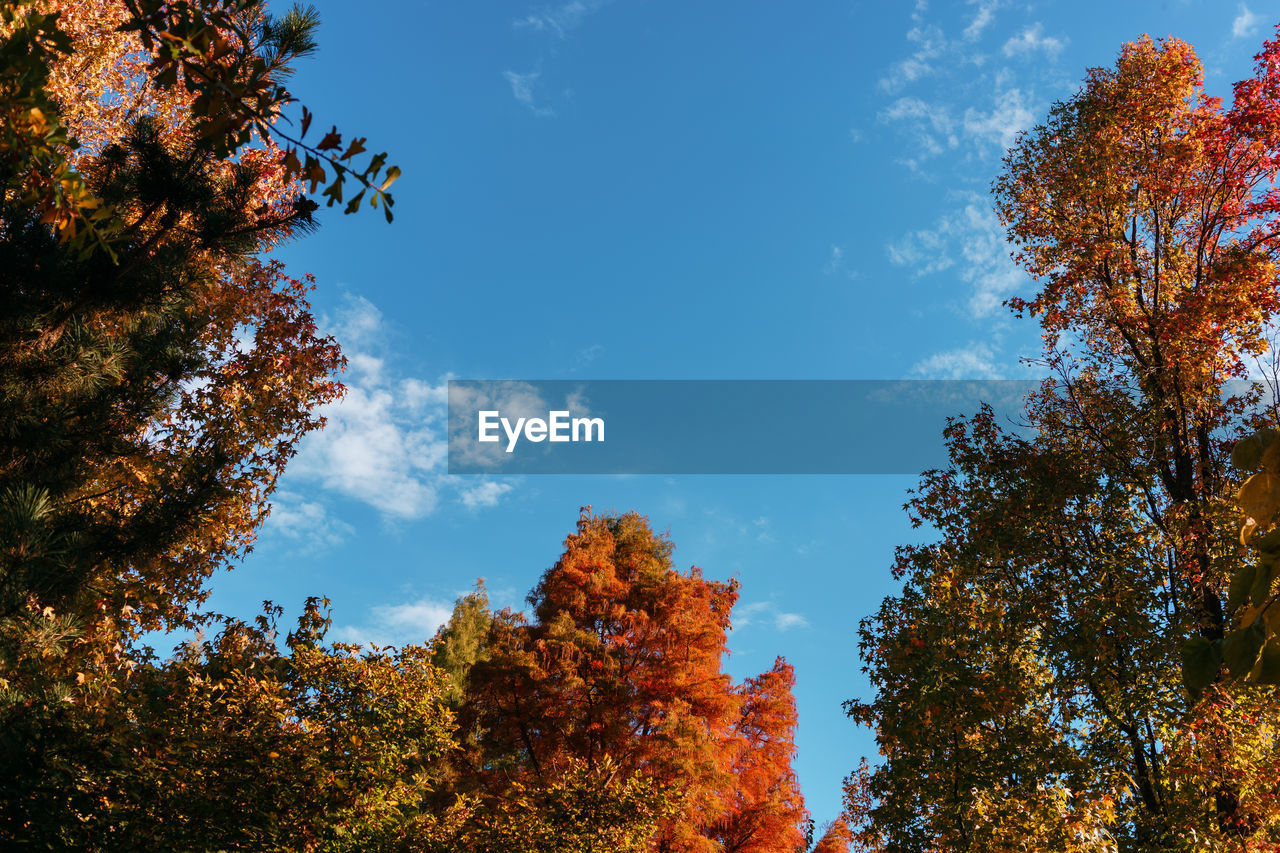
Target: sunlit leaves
{"points": [[622, 662], [1254, 582], [223, 61], [34, 143], [1052, 675]]}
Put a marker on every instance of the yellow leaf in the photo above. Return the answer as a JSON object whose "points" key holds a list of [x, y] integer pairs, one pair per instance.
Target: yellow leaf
{"points": [[1259, 497]]}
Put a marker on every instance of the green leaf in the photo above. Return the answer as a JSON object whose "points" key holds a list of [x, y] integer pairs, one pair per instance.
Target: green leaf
{"points": [[1240, 648], [1200, 662], [1269, 666], [1247, 454], [1270, 543], [1241, 583], [1261, 589]]}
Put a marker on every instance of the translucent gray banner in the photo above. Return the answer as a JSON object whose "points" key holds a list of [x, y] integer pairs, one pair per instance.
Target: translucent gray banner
{"points": [[713, 426]]}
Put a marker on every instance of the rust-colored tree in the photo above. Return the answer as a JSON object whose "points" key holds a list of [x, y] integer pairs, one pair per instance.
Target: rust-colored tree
{"points": [[622, 663], [835, 839], [764, 809]]}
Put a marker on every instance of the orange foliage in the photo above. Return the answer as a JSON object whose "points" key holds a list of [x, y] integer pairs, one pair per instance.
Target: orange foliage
{"points": [[623, 662], [836, 839]]}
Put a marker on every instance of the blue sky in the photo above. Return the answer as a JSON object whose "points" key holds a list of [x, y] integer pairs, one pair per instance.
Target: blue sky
{"points": [[657, 190]]}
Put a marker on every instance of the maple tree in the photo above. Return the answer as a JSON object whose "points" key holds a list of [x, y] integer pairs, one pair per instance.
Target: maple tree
{"points": [[1050, 676]]}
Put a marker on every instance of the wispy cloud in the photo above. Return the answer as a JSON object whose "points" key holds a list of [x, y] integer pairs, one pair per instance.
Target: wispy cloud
{"points": [[306, 522], [999, 127], [559, 19], [555, 21], [1245, 22], [925, 111], [787, 621], [485, 494], [929, 46], [585, 356], [835, 264], [970, 236], [522, 89], [766, 613], [975, 361], [397, 624], [1032, 40], [982, 18], [931, 125], [925, 251]]}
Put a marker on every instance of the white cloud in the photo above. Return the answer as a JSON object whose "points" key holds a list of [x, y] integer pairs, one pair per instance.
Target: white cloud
{"points": [[514, 400], [1000, 127], [930, 124], [787, 621], [982, 18], [766, 612], [359, 324], [306, 521], [1032, 40], [555, 20], [373, 449], [930, 46], [1245, 22], [835, 264], [397, 624], [975, 361], [385, 442], [522, 86], [970, 236], [837, 258], [925, 251], [485, 494], [994, 110], [560, 19]]}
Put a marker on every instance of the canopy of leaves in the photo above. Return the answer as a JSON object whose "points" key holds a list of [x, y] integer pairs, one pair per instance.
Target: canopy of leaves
{"points": [[620, 666], [1029, 685]]}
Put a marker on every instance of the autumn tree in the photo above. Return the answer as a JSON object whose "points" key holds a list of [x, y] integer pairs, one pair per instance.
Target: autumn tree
{"points": [[1028, 680], [764, 809], [461, 643], [620, 664], [156, 373], [238, 744], [835, 839]]}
